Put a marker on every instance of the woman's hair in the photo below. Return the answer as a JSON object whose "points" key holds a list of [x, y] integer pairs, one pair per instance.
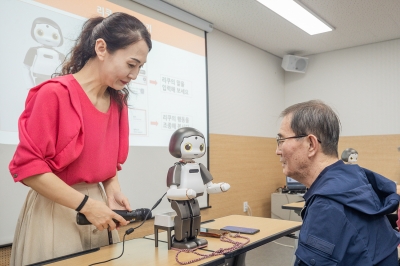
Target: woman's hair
{"points": [[317, 118], [118, 30]]}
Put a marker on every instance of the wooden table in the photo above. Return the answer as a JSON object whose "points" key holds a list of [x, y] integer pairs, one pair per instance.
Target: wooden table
{"points": [[295, 206], [139, 251], [142, 251], [270, 230]]}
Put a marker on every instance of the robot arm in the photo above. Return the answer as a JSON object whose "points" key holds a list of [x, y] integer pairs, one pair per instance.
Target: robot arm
{"points": [[205, 174], [175, 193], [211, 187], [217, 188], [173, 181]]}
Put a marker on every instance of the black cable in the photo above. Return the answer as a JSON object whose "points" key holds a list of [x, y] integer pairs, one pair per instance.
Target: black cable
{"points": [[155, 205], [123, 247], [129, 231]]}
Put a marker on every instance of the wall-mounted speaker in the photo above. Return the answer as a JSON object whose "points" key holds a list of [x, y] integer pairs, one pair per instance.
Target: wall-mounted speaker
{"points": [[295, 63]]}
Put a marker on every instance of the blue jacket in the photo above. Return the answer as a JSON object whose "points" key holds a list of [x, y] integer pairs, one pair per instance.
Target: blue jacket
{"points": [[344, 220]]}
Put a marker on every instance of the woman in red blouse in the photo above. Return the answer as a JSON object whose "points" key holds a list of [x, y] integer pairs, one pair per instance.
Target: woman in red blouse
{"points": [[73, 138]]}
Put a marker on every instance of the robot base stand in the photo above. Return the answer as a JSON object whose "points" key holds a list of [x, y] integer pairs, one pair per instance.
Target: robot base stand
{"points": [[164, 221], [189, 244], [168, 229]]}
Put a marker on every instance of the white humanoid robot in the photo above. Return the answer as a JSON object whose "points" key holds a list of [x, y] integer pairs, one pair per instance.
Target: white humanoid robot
{"points": [[186, 180], [350, 156], [42, 61]]}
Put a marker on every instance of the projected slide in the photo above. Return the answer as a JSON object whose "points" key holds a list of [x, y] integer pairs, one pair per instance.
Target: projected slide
{"points": [[169, 92]]}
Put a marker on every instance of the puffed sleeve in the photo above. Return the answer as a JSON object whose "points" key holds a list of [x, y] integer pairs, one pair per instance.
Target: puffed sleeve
{"points": [[123, 137], [50, 132]]}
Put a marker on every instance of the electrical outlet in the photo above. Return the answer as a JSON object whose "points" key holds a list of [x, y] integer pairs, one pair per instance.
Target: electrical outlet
{"points": [[245, 206]]}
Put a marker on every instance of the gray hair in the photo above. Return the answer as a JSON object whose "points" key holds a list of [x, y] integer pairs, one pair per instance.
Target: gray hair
{"points": [[317, 118]]}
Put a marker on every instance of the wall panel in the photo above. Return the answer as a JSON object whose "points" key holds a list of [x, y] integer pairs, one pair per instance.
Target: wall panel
{"points": [[377, 153], [250, 166]]}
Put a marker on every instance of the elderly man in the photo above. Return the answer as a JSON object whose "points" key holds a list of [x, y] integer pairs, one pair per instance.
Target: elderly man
{"points": [[344, 220]]}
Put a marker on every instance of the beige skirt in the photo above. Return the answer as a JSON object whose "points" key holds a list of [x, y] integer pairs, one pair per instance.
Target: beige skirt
{"points": [[47, 230]]}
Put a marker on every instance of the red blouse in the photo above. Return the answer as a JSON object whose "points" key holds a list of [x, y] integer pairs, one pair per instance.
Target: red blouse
{"points": [[61, 131]]}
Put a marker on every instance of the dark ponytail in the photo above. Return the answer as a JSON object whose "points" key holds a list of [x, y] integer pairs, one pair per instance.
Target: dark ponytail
{"points": [[118, 30]]}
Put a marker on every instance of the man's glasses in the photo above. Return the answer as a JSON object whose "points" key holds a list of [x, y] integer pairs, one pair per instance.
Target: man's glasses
{"points": [[280, 140]]}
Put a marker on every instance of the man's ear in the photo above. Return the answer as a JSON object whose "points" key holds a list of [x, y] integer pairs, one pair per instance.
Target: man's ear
{"points": [[101, 48], [313, 143]]}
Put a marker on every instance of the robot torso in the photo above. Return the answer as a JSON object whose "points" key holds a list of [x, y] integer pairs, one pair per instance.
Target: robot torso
{"points": [[191, 178]]}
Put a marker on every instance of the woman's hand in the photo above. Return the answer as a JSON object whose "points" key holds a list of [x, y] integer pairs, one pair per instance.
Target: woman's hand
{"points": [[53, 188], [118, 201], [115, 198], [101, 216]]}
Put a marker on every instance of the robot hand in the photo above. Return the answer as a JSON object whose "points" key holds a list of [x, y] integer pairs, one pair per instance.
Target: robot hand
{"points": [[217, 188], [175, 193]]}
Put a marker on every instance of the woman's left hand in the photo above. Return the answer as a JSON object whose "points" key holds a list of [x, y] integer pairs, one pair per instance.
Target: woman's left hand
{"points": [[118, 201]]}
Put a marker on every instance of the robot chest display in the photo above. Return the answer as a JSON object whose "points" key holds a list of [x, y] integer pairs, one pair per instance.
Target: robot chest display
{"points": [[191, 178]]}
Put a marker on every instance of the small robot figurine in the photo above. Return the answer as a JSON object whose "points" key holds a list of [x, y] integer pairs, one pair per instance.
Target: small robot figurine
{"points": [[350, 156], [186, 180], [42, 61]]}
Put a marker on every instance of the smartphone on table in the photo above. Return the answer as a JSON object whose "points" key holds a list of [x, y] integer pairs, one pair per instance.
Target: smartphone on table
{"points": [[242, 230]]}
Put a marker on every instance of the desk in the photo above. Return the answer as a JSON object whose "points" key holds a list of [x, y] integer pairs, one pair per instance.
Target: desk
{"points": [[280, 199], [270, 230], [142, 251], [295, 206], [138, 252]]}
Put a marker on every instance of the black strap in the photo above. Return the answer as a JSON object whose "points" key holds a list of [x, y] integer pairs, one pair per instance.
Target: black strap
{"points": [[82, 203]]}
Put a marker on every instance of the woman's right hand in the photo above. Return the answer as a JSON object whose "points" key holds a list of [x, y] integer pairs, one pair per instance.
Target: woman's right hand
{"points": [[53, 188], [101, 216]]}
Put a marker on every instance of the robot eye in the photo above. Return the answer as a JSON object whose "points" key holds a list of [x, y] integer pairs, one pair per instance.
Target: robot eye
{"points": [[201, 147], [39, 32], [55, 36], [188, 146]]}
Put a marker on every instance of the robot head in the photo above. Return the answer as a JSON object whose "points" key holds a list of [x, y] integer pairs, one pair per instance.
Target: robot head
{"points": [[350, 155], [187, 143], [46, 32]]}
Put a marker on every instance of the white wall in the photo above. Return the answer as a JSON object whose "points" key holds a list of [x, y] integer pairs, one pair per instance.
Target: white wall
{"points": [[362, 84], [245, 86]]}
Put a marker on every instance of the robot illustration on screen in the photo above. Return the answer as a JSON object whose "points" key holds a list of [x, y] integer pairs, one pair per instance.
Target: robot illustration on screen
{"points": [[350, 156], [186, 181], [42, 61]]}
